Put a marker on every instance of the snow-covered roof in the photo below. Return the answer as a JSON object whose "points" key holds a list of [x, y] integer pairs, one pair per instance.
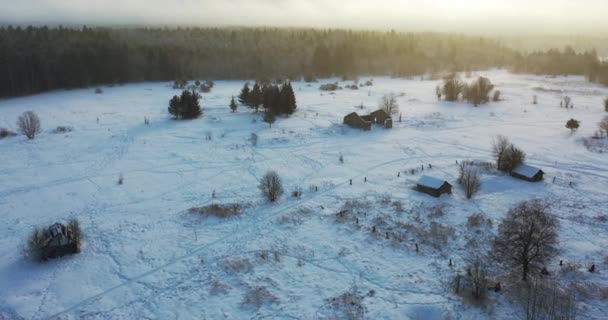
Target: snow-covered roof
{"points": [[430, 182], [526, 170]]}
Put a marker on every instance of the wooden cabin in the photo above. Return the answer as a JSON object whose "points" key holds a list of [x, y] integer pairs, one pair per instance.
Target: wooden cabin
{"points": [[433, 186], [528, 173], [356, 121]]}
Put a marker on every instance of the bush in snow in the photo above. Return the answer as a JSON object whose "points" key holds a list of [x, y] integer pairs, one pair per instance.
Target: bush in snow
{"points": [[348, 305], [297, 192], [238, 265], [253, 139], [527, 238], [63, 129], [506, 154], [54, 241], [566, 102], [469, 180], [98, 91], [473, 282], [573, 124], [258, 296], [452, 87], [478, 92], [543, 298], [29, 124], [271, 186], [329, 87], [219, 210], [5, 133]]}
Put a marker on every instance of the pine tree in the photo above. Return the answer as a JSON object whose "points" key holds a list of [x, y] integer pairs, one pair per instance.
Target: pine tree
{"points": [[175, 107], [244, 96], [269, 117], [233, 105], [255, 97]]}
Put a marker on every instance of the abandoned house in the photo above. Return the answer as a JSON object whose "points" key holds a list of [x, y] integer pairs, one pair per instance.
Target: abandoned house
{"points": [[433, 186], [355, 121], [365, 122], [528, 173]]}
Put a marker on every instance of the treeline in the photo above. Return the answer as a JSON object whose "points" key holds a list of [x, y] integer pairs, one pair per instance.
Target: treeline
{"points": [[36, 59]]}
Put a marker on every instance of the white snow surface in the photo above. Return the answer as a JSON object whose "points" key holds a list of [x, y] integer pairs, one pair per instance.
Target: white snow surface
{"points": [[144, 256]]}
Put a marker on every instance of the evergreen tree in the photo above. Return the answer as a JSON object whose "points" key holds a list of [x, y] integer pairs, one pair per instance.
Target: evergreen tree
{"points": [[186, 106], [233, 105], [244, 96], [255, 97], [175, 107], [269, 117]]}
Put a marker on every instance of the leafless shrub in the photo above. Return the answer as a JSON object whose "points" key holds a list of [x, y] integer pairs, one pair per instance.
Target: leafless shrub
{"points": [[29, 124], [475, 220], [545, 299], [385, 199], [601, 217], [121, 179], [570, 267], [54, 241], [473, 283], [438, 235], [437, 211], [258, 296], [98, 91], [398, 205], [5, 133], [271, 186], [238, 265], [348, 305], [218, 287], [469, 180], [219, 210], [296, 217]]}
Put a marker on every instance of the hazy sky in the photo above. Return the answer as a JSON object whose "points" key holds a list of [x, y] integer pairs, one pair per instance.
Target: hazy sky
{"points": [[510, 16]]}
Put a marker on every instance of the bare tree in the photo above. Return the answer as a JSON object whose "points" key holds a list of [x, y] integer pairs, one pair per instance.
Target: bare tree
{"points": [[542, 298], [29, 124], [507, 155], [603, 125], [469, 179], [389, 103], [567, 102], [271, 186], [499, 147], [527, 237]]}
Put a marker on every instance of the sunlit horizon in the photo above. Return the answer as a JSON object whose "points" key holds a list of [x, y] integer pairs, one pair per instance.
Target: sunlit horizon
{"points": [[468, 16]]}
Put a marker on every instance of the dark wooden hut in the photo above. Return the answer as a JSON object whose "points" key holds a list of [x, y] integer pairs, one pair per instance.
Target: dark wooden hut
{"points": [[433, 186], [528, 173]]}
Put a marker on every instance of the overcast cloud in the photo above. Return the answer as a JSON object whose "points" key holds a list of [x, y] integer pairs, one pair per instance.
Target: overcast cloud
{"points": [[508, 16]]}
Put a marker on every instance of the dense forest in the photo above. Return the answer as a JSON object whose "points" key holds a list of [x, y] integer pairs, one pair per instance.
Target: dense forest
{"points": [[36, 59]]}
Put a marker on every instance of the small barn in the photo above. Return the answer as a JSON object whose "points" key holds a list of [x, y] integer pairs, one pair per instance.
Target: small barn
{"points": [[356, 121], [379, 116], [433, 186], [528, 173]]}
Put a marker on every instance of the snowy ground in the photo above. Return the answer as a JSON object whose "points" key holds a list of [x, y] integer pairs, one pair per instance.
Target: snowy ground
{"points": [[145, 256]]}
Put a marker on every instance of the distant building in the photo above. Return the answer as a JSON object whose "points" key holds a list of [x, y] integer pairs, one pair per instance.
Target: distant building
{"points": [[355, 121], [528, 173], [433, 186], [365, 122]]}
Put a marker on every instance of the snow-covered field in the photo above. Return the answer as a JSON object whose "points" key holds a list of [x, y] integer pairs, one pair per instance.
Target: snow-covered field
{"points": [[145, 256]]}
